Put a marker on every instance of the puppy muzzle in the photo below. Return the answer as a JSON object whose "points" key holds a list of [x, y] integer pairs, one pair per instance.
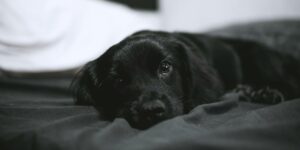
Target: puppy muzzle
{"points": [[149, 113]]}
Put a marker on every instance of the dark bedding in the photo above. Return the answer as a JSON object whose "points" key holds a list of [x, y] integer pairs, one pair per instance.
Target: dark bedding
{"points": [[38, 113]]}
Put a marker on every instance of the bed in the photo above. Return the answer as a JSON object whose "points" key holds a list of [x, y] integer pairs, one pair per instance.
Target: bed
{"points": [[38, 113]]}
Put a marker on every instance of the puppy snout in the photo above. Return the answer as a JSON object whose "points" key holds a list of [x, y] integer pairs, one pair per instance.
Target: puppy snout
{"points": [[153, 109]]}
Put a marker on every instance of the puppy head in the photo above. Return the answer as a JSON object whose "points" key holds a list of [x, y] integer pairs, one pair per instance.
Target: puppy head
{"points": [[146, 78]]}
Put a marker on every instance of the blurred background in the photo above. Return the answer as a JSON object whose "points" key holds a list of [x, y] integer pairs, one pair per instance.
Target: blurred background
{"points": [[56, 35]]}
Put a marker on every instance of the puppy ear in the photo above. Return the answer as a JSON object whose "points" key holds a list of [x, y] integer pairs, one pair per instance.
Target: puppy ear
{"points": [[82, 84], [221, 56], [201, 80], [86, 83]]}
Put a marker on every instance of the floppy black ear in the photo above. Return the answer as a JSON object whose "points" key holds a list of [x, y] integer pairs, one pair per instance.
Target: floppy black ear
{"points": [[203, 84], [90, 78], [82, 84], [221, 56]]}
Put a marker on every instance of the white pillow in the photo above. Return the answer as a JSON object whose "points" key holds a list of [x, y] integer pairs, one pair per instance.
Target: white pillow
{"points": [[53, 35]]}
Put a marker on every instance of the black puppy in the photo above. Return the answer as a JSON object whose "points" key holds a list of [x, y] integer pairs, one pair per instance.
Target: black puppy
{"points": [[152, 76]]}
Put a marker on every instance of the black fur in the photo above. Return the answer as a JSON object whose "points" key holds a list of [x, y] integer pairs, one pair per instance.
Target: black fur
{"points": [[152, 76]]}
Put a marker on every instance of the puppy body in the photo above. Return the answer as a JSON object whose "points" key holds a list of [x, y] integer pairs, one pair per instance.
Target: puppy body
{"points": [[151, 76], [250, 63]]}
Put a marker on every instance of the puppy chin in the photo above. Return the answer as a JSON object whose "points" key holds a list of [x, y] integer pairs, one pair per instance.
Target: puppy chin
{"points": [[145, 122], [139, 121]]}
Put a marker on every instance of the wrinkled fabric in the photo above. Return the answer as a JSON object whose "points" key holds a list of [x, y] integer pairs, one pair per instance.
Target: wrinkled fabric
{"points": [[39, 114]]}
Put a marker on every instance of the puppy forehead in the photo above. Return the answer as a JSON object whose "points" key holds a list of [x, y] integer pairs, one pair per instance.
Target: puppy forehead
{"points": [[141, 53]]}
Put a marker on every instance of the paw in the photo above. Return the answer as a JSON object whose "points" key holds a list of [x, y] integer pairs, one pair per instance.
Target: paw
{"points": [[244, 92], [267, 96], [264, 95]]}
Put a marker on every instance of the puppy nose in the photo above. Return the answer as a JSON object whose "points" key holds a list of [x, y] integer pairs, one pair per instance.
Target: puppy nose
{"points": [[153, 109]]}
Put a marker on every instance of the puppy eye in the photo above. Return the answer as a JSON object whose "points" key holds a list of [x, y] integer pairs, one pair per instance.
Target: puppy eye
{"points": [[165, 69]]}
